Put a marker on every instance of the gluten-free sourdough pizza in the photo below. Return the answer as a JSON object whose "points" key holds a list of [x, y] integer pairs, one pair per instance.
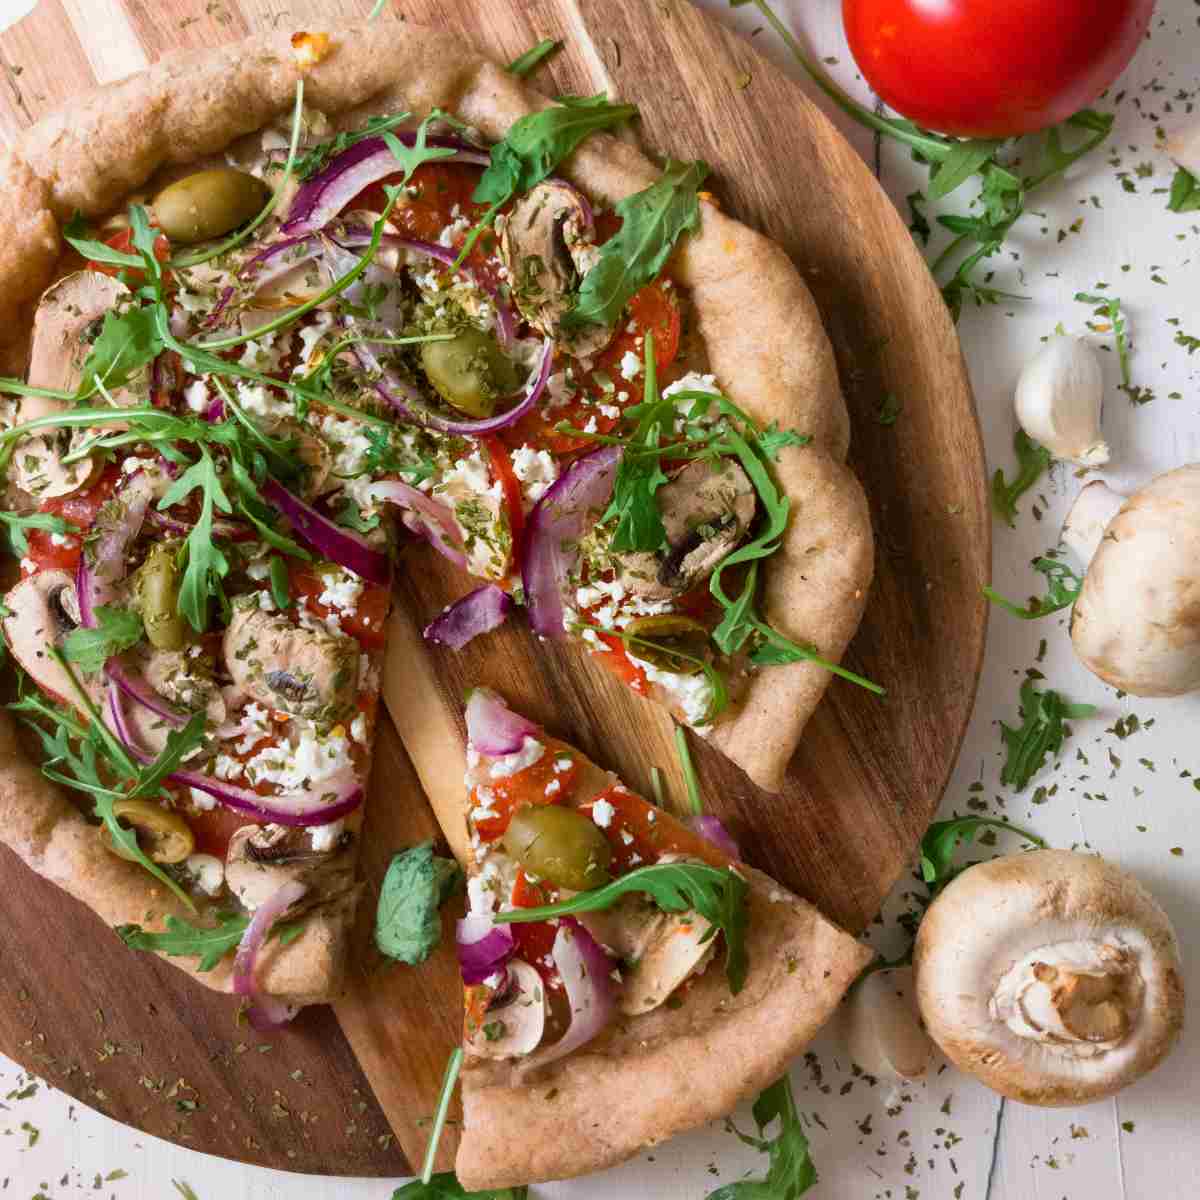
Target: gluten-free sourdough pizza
{"points": [[269, 309]]}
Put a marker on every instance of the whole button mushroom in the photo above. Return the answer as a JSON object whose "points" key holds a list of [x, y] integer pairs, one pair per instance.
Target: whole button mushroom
{"points": [[1053, 977], [1136, 623]]}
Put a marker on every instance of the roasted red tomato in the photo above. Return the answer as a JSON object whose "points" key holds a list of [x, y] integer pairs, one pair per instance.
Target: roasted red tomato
{"points": [[993, 68]]}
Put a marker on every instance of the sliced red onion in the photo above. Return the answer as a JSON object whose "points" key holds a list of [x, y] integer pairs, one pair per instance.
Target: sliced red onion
{"points": [[553, 532], [265, 1013], [235, 531], [424, 515], [299, 811], [711, 830], [332, 541], [492, 727], [275, 262], [215, 411], [222, 304], [480, 611], [586, 972], [482, 946], [327, 193], [137, 687], [95, 581]]}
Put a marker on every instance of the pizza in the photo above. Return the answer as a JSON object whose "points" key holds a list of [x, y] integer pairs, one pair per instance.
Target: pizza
{"points": [[282, 316], [609, 948]]}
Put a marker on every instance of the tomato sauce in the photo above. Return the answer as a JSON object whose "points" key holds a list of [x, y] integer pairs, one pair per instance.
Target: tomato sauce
{"points": [[79, 510]]}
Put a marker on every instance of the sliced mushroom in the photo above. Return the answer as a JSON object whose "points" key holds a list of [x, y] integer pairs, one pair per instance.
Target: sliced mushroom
{"points": [[707, 509], [883, 1027], [548, 245], [1054, 977], [308, 672], [42, 610], [261, 858], [186, 678], [516, 1019]]}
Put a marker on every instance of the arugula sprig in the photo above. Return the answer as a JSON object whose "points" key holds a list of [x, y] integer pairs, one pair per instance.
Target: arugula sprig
{"points": [[523, 64], [1042, 732], [1063, 588], [445, 1186], [1033, 461], [1110, 307], [208, 943], [790, 1171], [943, 838], [717, 895], [18, 524], [116, 630], [1185, 192]]}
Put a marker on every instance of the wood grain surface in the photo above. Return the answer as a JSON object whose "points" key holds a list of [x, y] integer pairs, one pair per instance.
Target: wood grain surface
{"points": [[121, 1032]]}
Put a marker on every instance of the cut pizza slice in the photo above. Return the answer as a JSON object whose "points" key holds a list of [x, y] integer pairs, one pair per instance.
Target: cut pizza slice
{"points": [[609, 949]]}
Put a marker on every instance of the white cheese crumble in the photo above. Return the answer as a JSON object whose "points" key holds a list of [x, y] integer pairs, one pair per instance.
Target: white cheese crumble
{"points": [[358, 728], [631, 366], [195, 395], [325, 837], [341, 591], [348, 442], [692, 693], [603, 813], [536, 469], [207, 871], [509, 764], [202, 800], [306, 763]]}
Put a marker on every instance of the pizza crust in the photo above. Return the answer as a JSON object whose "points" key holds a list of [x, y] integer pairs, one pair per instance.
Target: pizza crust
{"points": [[778, 365]]}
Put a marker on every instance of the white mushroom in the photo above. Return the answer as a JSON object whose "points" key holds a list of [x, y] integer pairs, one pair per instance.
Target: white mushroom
{"points": [[1058, 401], [1090, 516], [1054, 977], [516, 1019], [1136, 623], [1184, 148], [262, 858], [41, 611], [883, 1028]]}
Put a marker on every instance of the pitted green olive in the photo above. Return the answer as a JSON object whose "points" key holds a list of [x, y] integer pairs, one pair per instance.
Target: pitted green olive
{"points": [[163, 835], [156, 597], [208, 204], [469, 372], [559, 845], [658, 636]]}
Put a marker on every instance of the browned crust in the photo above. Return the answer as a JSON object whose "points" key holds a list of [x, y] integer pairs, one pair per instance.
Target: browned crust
{"points": [[779, 367], [653, 1076]]}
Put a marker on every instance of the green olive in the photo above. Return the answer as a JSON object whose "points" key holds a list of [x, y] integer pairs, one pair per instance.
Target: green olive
{"points": [[559, 845], [469, 372], [156, 597], [164, 835], [657, 637], [208, 204]]}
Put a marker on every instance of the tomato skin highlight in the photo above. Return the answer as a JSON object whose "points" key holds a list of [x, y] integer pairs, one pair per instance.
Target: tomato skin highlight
{"points": [[993, 68]]}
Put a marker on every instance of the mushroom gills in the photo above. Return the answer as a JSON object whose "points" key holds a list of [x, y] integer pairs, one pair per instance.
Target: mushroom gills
{"points": [[515, 1021], [262, 858], [707, 510], [42, 610]]}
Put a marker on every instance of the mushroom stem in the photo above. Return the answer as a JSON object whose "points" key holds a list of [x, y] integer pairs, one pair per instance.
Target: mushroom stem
{"points": [[883, 1029], [1184, 148], [1090, 516]]}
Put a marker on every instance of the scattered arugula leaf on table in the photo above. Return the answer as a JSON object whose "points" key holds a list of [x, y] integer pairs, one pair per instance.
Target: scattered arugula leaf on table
{"points": [[1042, 732], [1185, 192], [408, 926], [523, 64], [790, 1171], [717, 895], [1063, 588], [445, 1186], [1033, 461], [1110, 307], [116, 630], [943, 838]]}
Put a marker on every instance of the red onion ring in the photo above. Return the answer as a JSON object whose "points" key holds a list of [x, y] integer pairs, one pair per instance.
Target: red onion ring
{"points": [[586, 972], [222, 304], [95, 583], [480, 611], [482, 947], [425, 516], [712, 831], [327, 193], [262, 269], [492, 727], [552, 533], [343, 546], [264, 1013], [137, 687]]}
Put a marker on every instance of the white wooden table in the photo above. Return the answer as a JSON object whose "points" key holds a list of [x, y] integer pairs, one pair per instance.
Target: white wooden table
{"points": [[948, 1137]]}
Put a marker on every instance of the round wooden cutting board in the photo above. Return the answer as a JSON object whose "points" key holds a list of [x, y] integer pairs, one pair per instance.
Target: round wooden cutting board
{"points": [[347, 1090]]}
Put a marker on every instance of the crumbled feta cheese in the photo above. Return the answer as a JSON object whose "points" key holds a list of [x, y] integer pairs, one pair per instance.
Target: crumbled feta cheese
{"points": [[195, 395], [609, 411], [258, 399], [692, 693], [603, 813], [202, 800], [341, 591], [536, 469], [631, 366], [358, 728], [554, 787], [509, 764], [303, 763], [348, 442], [208, 872], [562, 765], [626, 837], [325, 837]]}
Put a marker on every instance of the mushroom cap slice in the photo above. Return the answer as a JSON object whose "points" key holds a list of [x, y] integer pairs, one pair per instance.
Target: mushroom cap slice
{"points": [[42, 610], [1090, 516], [516, 1019], [262, 858], [1053, 977], [883, 1027], [707, 510], [547, 244], [1136, 623]]}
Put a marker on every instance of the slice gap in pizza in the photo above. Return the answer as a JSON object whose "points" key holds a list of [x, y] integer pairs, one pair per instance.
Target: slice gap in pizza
{"points": [[586, 1021]]}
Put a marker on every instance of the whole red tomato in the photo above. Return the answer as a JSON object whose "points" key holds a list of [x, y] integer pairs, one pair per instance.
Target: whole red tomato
{"points": [[993, 68]]}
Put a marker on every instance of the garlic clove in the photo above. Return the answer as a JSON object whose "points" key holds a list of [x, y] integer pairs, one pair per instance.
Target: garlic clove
{"points": [[1058, 401], [1090, 516], [883, 1029]]}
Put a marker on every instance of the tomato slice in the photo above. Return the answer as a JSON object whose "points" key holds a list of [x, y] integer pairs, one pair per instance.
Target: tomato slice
{"points": [[535, 939], [550, 780], [122, 240], [78, 509], [214, 827], [616, 659], [367, 623], [502, 469]]}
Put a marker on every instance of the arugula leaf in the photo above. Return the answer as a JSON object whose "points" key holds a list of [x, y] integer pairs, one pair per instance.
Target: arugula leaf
{"points": [[1042, 732], [963, 160], [206, 563], [418, 882], [181, 939], [943, 838], [1063, 587], [411, 157], [75, 233], [314, 158], [534, 147], [652, 222], [790, 1172], [351, 516], [127, 342], [281, 589], [717, 895], [18, 524], [523, 64], [1185, 192], [116, 630], [445, 1186], [1110, 307], [1033, 461]]}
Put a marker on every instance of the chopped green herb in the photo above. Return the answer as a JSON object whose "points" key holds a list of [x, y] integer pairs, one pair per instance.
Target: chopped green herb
{"points": [[1063, 588], [690, 778], [117, 629], [1042, 732], [1185, 192], [1033, 461], [1110, 307]]}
